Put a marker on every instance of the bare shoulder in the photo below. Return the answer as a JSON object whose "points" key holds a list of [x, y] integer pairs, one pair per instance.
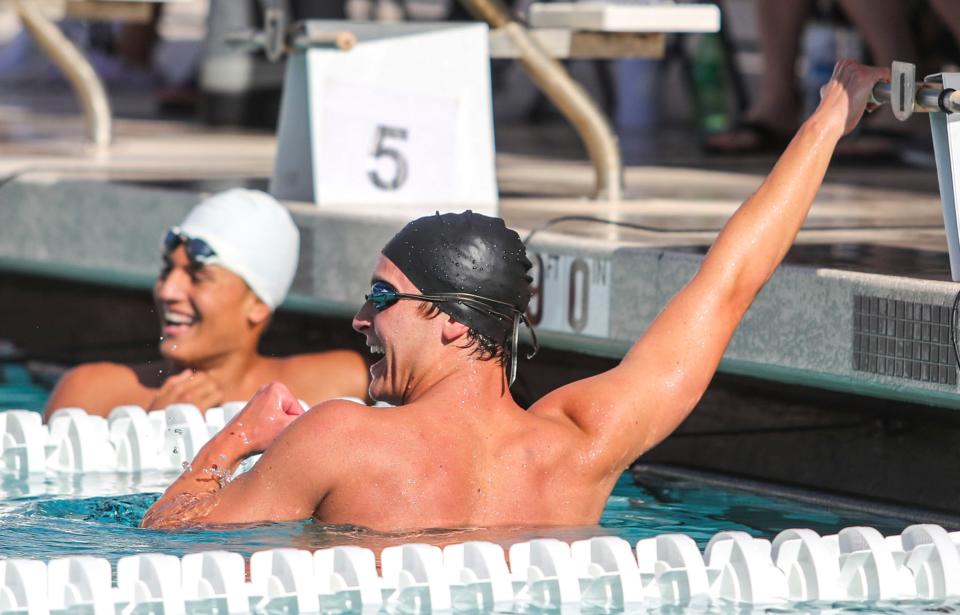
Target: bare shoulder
{"points": [[97, 388], [318, 376], [335, 429]]}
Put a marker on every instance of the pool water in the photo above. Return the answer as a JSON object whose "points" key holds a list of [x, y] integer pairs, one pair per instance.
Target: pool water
{"points": [[99, 515], [54, 516], [18, 390]]}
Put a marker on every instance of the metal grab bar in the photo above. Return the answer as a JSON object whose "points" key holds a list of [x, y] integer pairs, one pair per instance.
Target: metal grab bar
{"points": [[907, 97], [86, 84], [572, 100]]}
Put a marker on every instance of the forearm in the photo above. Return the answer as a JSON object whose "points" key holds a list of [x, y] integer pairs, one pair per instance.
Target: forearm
{"points": [[758, 235], [195, 493]]}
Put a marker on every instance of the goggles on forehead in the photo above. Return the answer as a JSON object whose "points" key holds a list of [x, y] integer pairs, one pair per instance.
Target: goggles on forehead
{"points": [[383, 295], [198, 250]]}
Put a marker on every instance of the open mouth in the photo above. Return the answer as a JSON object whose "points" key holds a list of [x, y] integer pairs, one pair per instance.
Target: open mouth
{"points": [[374, 349], [176, 323]]}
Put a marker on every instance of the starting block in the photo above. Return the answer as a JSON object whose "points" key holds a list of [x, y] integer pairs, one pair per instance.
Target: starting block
{"points": [[937, 95]]}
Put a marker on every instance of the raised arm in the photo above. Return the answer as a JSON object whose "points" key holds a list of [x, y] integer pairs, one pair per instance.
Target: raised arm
{"points": [[629, 409], [277, 488]]}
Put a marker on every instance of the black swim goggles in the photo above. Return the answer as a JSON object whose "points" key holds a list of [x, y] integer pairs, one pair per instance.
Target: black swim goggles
{"points": [[198, 251], [382, 295]]}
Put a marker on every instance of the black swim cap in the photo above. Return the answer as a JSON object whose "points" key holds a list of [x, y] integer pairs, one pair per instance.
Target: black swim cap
{"points": [[466, 253]]}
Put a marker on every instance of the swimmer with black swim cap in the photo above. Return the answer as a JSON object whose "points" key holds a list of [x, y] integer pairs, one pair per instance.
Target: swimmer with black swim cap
{"points": [[474, 269], [458, 451]]}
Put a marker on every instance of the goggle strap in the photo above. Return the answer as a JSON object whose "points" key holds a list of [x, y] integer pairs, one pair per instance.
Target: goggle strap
{"points": [[514, 348]]}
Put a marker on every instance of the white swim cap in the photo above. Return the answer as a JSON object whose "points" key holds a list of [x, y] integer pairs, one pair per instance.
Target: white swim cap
{"points": [[253, 236]]}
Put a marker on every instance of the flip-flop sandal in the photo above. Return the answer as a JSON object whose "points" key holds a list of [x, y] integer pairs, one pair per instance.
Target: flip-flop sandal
{"points": [[765, 140], [873, 145]]}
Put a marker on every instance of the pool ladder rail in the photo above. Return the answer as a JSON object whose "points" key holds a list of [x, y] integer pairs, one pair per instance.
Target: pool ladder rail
{"points": [[857, 565]]}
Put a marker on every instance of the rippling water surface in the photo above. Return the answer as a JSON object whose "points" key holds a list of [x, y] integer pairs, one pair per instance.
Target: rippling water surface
{"points": [[98, 515]]}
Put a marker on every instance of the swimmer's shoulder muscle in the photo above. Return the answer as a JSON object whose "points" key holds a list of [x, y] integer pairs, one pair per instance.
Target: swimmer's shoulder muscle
{"points": [[97, 388], [307, 461]]}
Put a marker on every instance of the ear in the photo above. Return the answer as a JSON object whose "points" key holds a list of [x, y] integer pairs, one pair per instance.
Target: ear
{"points": [[454, 331], [258, 312]]}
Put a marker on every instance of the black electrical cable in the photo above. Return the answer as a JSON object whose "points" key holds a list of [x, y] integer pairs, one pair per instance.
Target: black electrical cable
{"points": [[659, 230]]}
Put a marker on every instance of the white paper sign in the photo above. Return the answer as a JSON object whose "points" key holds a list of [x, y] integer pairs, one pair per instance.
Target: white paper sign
{"points": [[402, 122], [571, 294], [379, 143]]}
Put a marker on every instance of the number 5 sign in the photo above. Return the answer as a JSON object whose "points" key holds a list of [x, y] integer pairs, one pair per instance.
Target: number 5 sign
{"points": [[403, 119]]}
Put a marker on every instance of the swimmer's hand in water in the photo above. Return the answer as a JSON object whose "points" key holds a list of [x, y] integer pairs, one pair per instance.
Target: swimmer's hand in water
{"points": [[188, 387], [267, 413], [847, 94]]}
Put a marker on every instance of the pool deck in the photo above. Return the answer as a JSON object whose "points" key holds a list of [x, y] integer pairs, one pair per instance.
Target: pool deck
{"points": [[858, 310]]}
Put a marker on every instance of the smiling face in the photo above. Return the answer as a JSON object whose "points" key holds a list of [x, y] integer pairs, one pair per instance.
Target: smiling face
{"points": [[408, 342], [206, 312]]}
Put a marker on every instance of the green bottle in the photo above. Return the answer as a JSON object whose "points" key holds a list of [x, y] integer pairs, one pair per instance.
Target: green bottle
{"points": [[710, 85]]}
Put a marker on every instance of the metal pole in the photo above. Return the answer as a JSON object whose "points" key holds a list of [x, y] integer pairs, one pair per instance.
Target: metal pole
{"points": [[572, 100], [928, 99], [93, 98]]}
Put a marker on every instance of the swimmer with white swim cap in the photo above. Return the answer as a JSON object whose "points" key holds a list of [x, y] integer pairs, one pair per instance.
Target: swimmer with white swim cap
{"points": [[458, 451], [227, 267]]}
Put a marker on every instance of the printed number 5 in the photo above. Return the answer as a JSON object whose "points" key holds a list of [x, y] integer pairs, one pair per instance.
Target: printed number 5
{"points": [[382, 149]]}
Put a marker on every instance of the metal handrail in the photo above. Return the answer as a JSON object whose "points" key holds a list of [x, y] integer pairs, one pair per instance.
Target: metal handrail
{"points": [[89, 89], [572, 100]]}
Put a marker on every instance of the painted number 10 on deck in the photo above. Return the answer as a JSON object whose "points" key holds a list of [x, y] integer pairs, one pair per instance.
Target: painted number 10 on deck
{"points": [[571, 294]]}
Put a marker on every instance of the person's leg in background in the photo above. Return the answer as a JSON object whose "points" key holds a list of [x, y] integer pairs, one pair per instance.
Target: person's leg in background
{"points": [[773, 113]]}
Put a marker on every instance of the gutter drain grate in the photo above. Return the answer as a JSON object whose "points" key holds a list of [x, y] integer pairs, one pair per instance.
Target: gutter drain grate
{"points": [[903, 339]]}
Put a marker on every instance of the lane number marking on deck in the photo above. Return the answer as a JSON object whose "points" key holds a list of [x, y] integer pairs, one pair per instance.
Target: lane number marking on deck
{"points": [[571, 294]]}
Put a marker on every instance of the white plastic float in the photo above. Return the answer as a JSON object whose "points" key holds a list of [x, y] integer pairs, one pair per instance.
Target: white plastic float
{"points": [[80, 583], [347, 577], [151, 580], [128, 440], [810, 563], [543, 571], [741, 570], [675, 567], [285, 577], [214, 581], [21, 443], [415, 576], [479, 577], [857, 565], [609, 576], [23, 587]]}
